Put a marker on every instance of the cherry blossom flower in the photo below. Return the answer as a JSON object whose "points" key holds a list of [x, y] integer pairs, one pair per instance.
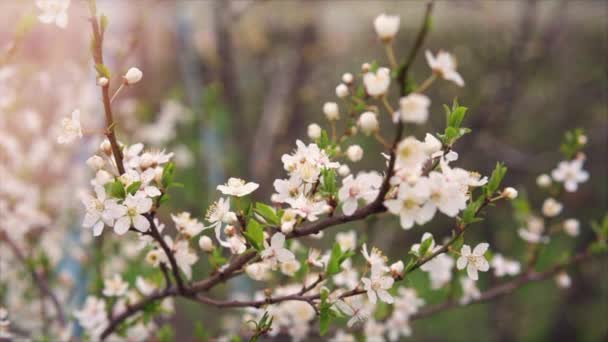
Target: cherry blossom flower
{"points": [[115, 286], [444, 65], [206, 244], [407, 302], [218, 214], [571, 226], [449, 197], [398, 325], [470, 291], [386, 26], [54, 11], [551, 207], [237, 187], [570, 173], [287, 189], [308, 208], [368, 122], [363, 187], [185, 257], [439, 269], [314, 131], [414, 108], [473, 261], [377, 286], [93, 317], [376, 84], [274, 253], [410, 153], [331, 111], [100, 210], [131, 213], [533, 232], [374, 258], [258, 271], [186, 225], [354, 153], [70, 128], [347, 240], [409, 204], [357, 314], [503, 266]]}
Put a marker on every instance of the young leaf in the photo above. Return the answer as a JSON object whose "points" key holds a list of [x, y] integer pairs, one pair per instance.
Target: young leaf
{"points": [[268, 213], [255, 234], [132, 189], [167, 177], [495, 179], [116, 189]]}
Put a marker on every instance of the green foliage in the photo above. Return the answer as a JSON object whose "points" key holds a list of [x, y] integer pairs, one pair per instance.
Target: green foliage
{"points": [[165, 334], [374, 66], [469, 214], [573, 142], [454, 118], [132, 189], [216, 259], [255, 234], [425, 246], [601, 230], [116, 189], [261, 327], [325, 312], [495, 179], [336, 258], [329, 184], [102, 71], [200, 333], [267, 213], [168, 174]]}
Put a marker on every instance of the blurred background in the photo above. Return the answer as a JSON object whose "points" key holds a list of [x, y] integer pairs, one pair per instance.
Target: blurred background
{"points": [[230, 85]]}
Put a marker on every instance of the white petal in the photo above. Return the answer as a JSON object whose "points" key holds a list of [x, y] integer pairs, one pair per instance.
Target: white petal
{"points": [[386, 297], [481, 249], [472, 272], [465, 251], [141, 223], [98, 228], [461, 263], [122, 225], [277, 240], [371, 295], [349, 206], [143, 205], [483, 265]]}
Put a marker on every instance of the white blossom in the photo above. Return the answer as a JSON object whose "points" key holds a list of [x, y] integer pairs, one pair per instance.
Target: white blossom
{"points": [[563, 280], [54, 11], [133, 76], [206, 244], [570, 173], [368, 122], [93, 317], [331, 111], [70, 128], [100, 210], [414, 108], [543, 180], [342, 90], [131, 213], [410, 204], [571, 227], [444, 64], [474, 261], [354, 153], [258, 271], [115, 286], [237, 187], [376, 84], [314, 131], [377, 286], [551, 207], [363, 187], [503, 266], [187, 225], [347, 240], [470, 292], [347, 78], [510, 193], [275, 252], [386, 26]]}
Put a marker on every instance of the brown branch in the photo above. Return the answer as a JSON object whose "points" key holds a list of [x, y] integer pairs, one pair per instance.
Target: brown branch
{"points": [[97, 51], [504, 288], [41, 282], [168, 252]]}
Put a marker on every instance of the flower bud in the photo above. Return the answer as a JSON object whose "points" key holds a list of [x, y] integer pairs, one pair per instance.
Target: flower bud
{"points": [[551, 207], [365, 67], [102, 81], [314, 131], [368, 123], [106, 147], [563, 280], [572, 227], [396, 269], [354, 153], [95, 162], [341, 90], [582, 139], [386, 26], [509, 193], [347, 78], [206, 244], [343, 170], [133, 76], [331, 111], [543, 180]]}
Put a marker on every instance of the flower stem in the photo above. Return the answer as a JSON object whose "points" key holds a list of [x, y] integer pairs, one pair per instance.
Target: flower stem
{"points": [[426, 84], [391, 55]]}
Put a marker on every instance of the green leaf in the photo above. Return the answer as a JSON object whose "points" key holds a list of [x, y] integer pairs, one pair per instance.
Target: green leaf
{"points": [[336, 258], [102, 70], [268, 213], [115, 189], [255, 234], [495, 179], [325, 312], [469, 214], [168, 173], [132, 189], [329, 183], [323, 141], [425, 245]]}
